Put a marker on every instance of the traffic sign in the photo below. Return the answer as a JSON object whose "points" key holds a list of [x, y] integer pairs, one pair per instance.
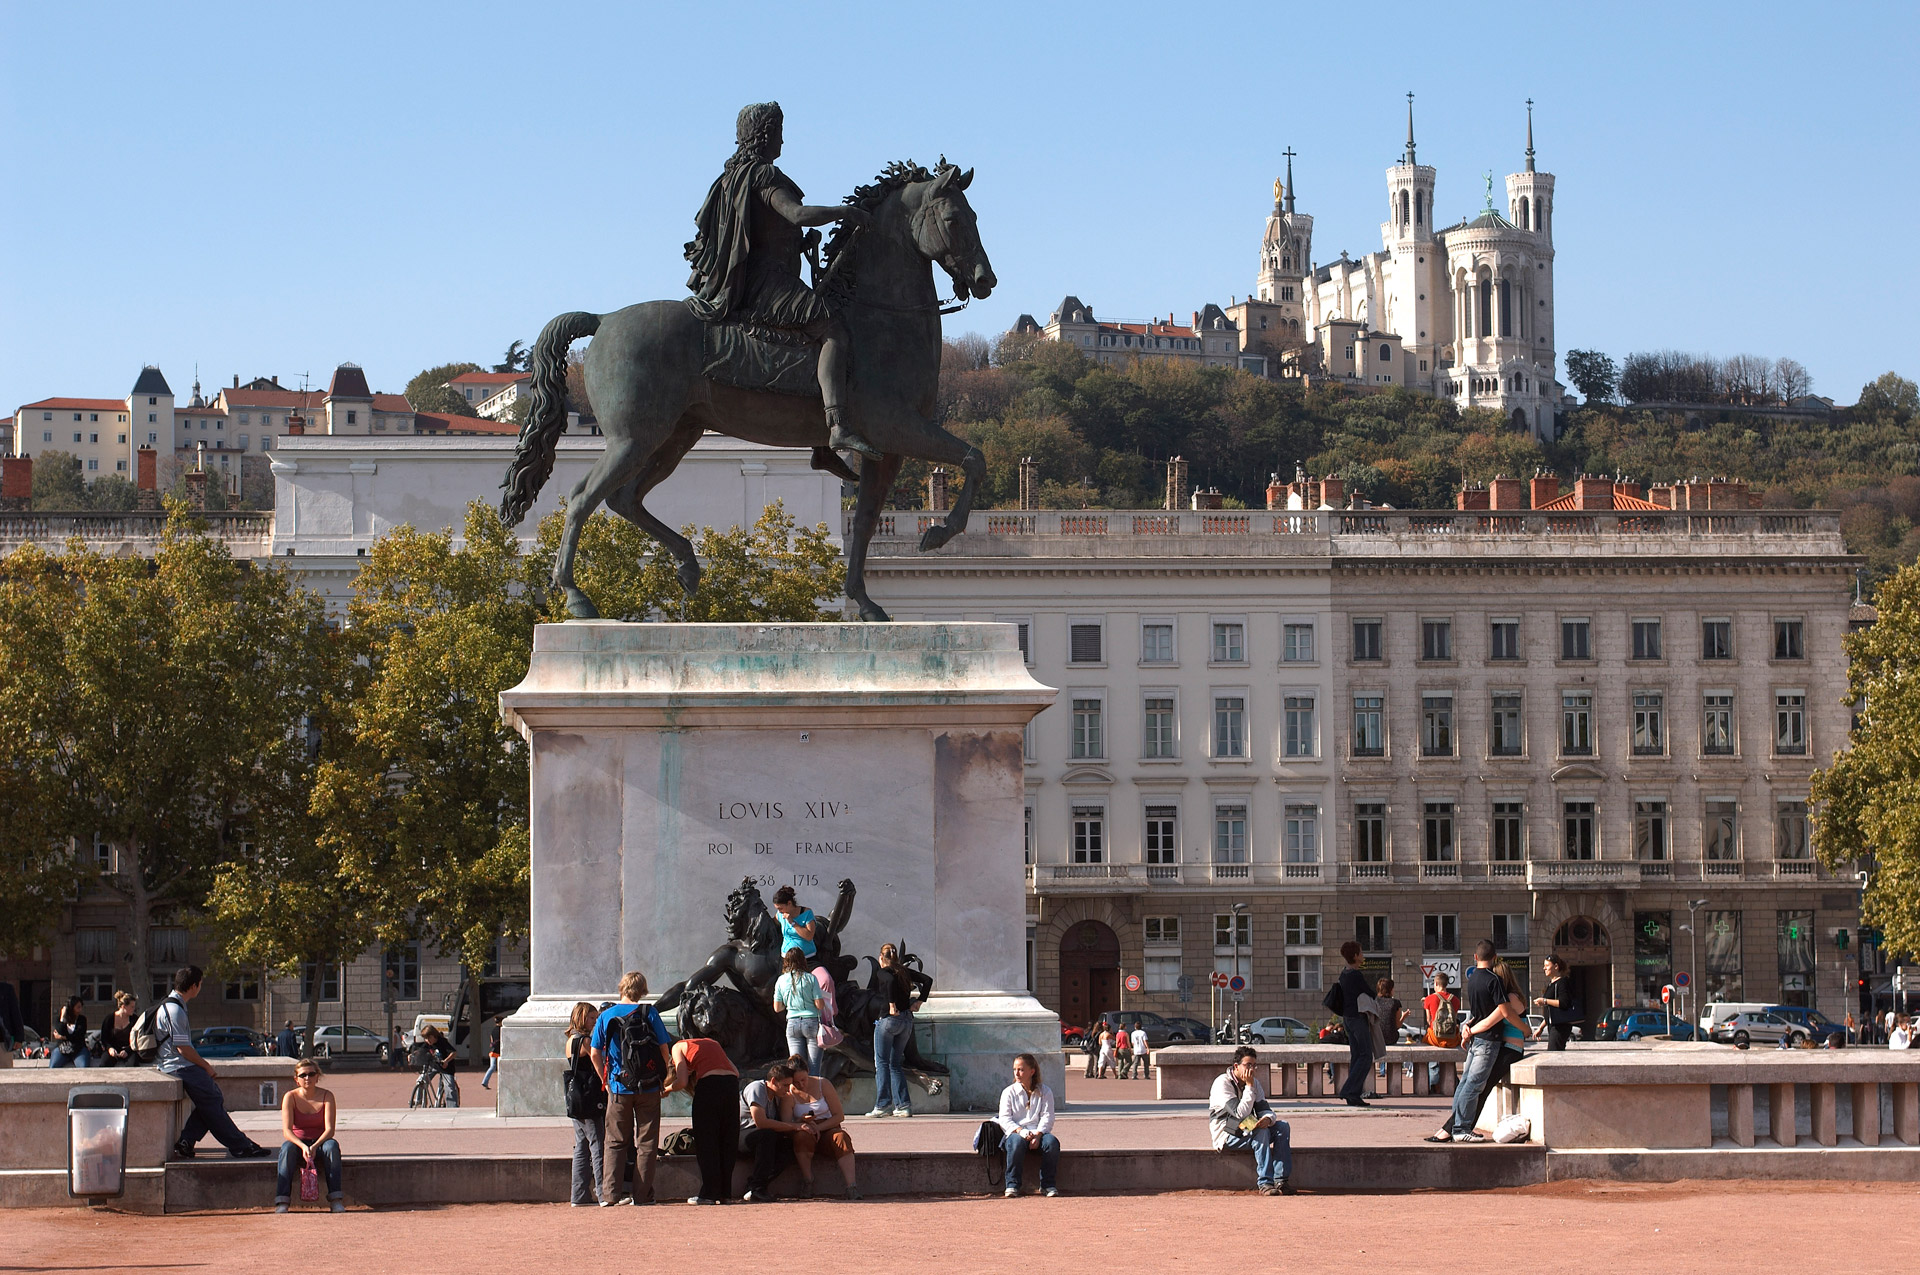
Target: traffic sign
{"points": [[1683, 978], [1133, 982], [1236, 983], [1219, 979], [1666, 993]]}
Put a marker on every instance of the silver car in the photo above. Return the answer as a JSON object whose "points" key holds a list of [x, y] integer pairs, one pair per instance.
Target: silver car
{"points": [[1279, 1030], [1752, 1025]]}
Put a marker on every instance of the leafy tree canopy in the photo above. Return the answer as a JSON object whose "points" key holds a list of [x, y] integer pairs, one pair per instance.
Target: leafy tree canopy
{"points": [[428, 392]]}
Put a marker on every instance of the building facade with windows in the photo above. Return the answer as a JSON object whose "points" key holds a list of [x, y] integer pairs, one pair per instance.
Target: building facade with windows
{"points": [[1554, 728]]}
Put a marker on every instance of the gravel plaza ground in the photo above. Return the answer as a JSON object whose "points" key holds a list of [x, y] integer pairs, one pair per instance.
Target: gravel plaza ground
{"points": [[1623, 1227]]}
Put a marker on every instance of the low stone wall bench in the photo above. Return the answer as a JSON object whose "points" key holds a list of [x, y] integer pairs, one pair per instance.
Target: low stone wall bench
{"points": [[1698, 1095], [1313, 1071]]}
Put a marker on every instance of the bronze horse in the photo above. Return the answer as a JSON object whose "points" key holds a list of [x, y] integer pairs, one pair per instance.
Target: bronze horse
{"points": [[652, 398]]}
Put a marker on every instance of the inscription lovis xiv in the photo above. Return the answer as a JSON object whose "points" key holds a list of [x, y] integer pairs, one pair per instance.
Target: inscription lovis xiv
{"points": [[802, 844]]}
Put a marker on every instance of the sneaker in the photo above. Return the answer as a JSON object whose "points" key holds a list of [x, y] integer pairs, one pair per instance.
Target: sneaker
{"points": [[607, 1204], [878, 1113], [252, 1151], [1287, 1187], [853, 1192], [903, 1112], [1050, 1192], [339, 1206], [1470, 1137], [279, 1206], [1267, 1188], [1012, 1193], [695, 1199], [762, 1196]]}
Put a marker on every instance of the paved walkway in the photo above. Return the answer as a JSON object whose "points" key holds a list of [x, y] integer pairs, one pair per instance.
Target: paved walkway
{"points": [[1616, 1228]]}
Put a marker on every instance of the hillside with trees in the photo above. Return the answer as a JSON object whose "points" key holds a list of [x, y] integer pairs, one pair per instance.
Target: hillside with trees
{"points": [[1101, 435]]}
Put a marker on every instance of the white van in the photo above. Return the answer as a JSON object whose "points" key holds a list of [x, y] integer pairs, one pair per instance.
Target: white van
{"points": [[1720, 1011]]}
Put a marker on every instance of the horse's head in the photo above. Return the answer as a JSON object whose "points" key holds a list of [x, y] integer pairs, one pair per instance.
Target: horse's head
{"points": [[945, 230]]}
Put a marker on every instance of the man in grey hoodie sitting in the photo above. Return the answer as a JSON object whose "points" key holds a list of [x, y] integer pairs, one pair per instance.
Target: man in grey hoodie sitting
{"points": [[1240, 1118]]}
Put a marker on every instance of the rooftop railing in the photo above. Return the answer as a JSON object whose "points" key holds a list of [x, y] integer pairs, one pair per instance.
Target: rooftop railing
{"points": [[248, 532]]}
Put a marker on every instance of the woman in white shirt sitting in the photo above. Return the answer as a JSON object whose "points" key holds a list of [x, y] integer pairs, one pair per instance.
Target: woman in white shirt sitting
{"points": [[1901, 1037], [1026, 1124]]}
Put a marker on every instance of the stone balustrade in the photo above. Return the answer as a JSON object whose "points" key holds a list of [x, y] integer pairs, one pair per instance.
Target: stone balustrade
{"points": [[1679, 1095], [1309, 1071]]}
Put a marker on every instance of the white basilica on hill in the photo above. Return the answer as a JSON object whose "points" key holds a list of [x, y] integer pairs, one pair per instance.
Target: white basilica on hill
{"points": [[1465, 311]]}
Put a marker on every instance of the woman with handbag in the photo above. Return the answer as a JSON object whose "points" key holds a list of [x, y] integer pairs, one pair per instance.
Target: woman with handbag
{"points": [[70, 1037], [307, 1117], [1356, 1009], [586, 1105], [796, 994]]}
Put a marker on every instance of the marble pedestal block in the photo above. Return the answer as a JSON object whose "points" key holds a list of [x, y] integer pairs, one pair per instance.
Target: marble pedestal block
{"points": [[670, 761]]}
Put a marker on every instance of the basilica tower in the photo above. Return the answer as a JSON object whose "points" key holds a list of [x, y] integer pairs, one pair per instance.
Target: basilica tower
{"points": [[1414, 269], [1530, 207]]}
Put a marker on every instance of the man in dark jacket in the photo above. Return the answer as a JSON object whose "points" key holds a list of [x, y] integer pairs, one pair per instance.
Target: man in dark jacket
{"points": [[1359, 1026]]}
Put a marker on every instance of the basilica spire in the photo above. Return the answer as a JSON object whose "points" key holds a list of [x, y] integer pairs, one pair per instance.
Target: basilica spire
{"points": [[1529, 135], [1409, 157], [1289, 154]]}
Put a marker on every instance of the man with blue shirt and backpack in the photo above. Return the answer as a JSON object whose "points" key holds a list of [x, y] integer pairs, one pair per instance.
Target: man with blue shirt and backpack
{"points": [[630, 1049], [167, 1023]]}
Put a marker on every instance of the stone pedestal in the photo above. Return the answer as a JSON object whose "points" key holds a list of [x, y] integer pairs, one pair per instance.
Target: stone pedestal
{"points": [[669, 761]]}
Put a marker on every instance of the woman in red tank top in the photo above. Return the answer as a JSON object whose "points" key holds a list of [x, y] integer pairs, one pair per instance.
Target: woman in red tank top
{"points": [[700, 1065], [307, 1117]]}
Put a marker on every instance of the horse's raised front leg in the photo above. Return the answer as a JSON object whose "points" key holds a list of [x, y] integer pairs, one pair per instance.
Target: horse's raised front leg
{"points": [[908, 433], [974, 466], [876, 480], [627, 501]]}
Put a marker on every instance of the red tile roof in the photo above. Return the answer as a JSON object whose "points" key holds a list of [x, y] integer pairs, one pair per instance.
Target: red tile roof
{"points": [[490, 378], [391, 403], [80, 404], [446, 423], [311, 399]]}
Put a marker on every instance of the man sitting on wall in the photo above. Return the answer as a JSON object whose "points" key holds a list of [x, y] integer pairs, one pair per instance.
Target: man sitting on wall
{"points": [[1239, 1118]]}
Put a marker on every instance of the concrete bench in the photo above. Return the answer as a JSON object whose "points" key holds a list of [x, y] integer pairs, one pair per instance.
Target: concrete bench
{"points": [[1675, 1096], [1188, 1071]]}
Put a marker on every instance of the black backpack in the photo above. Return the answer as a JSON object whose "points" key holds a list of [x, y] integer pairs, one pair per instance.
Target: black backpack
{"points": [[642, 1069], [586, 1096], [986, 1145]]}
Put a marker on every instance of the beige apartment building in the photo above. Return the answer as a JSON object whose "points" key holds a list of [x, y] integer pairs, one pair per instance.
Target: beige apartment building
{"points": [[1555, 727]]}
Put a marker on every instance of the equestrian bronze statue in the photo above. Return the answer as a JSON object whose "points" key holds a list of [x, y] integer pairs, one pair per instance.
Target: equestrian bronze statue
{"points": [[849, 367]]}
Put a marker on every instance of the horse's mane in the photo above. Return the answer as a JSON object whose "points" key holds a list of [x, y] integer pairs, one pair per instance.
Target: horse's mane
{"points": [[899, 173]]}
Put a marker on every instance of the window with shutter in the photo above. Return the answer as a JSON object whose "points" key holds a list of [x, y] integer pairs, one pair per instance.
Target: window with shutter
{"points": [[1083, 643]]}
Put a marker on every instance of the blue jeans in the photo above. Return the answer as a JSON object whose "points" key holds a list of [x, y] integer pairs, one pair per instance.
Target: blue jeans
{"points": [[1483, 1052], [1272, 1151], [803, 1040], [60, 1058], [1017, 1150], [326, 1155], [493, 1065], [209, 1112], [889, 1056], [588, 1139]]}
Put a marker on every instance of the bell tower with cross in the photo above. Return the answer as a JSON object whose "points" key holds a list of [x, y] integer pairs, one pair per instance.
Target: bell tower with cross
{"points": [[1416, 268]]}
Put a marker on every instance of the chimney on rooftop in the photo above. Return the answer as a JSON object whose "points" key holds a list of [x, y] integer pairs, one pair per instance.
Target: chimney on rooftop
{"points": [[1473, 496], [1209, 499], [1176, 484], [1333, 493], [146, 478], [1545, 488], [1506, 493], [937, 490], [1029, 483], [1276, 492], [1592, 492]]}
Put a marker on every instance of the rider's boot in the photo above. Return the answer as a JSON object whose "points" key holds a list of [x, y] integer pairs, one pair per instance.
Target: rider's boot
{"points": [[825, 458], [841, 438]]}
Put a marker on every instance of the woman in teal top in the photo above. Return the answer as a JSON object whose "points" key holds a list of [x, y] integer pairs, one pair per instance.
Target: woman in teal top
{"points": [[1514, 1031], [797, 995], [797, 924]]}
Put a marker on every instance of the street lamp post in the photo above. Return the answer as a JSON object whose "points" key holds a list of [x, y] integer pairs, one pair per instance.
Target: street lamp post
{"points": [[1239, 911], [1693, 959]]}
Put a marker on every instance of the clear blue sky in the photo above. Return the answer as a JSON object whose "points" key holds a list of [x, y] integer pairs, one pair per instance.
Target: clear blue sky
{"points": [[272, 189]]}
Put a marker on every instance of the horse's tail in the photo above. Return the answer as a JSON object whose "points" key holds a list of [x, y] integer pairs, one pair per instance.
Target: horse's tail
{"points": [[547, 417]]}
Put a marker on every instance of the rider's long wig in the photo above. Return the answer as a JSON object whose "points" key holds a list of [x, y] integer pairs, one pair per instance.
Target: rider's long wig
{"points": [[753, 130]]}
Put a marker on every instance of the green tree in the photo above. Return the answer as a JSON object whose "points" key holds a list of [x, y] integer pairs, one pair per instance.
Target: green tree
{"points": [[112, 493], [143, 702], [59, 484], [1593, 374], [287, 901], [516, 359], [1888, 395], [428, 392], [1867, 803]]}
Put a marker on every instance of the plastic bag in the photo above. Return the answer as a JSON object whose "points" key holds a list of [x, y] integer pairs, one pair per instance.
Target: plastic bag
{"points": [[1514, 1128], [309, 1181]]}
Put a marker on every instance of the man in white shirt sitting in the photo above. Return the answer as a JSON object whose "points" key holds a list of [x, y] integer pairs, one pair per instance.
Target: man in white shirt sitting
{"points": [[1240, 1118]]}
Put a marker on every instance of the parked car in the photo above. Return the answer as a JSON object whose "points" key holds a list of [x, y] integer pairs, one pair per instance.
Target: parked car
{"points": [[1757, 1024], [1720, 1011], [1072, 1036], [1817, 1024], [228, 1042], [1158, 1032], [327, 1041], [1188, 1031], [1611, 1020], [1651, 1022], [1279, 1030]]}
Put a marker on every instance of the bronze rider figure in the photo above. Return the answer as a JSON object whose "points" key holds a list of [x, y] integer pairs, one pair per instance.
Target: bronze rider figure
{"points": [[746, 259]]}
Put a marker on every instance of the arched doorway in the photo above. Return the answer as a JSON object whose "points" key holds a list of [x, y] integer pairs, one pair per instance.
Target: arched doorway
{"points": [[1584, 945], [1089, 972]]}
